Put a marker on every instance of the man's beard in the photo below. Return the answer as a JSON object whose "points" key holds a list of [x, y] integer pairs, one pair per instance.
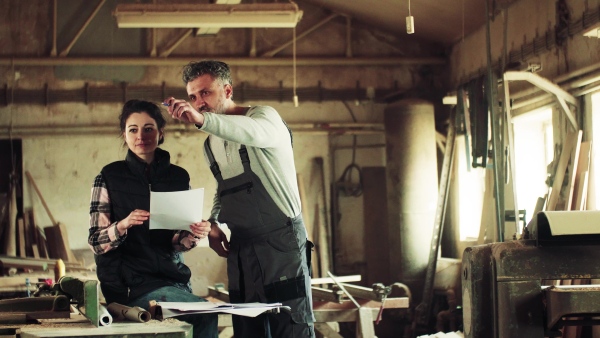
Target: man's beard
{"points": [[219, 108]]}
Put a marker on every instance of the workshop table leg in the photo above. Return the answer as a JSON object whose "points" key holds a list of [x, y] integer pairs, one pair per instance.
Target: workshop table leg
{"points": [[326, 330], [364, 325]]}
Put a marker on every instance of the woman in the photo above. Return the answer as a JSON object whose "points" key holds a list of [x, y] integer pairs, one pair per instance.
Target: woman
{"points": [[135, 264]]}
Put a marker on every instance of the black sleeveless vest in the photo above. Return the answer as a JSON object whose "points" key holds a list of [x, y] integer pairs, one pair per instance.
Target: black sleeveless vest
{"points": [[145, 261]]}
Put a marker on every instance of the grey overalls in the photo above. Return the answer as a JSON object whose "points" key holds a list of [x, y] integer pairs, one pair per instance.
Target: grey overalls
{"points": [[269, 255]]}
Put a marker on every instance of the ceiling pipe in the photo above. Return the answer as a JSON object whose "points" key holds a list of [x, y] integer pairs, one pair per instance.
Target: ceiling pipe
{"points": [[232, 61], [340, 128]]}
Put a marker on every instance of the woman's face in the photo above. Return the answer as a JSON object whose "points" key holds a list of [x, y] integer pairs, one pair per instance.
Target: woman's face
{"points": [[142, 135]]}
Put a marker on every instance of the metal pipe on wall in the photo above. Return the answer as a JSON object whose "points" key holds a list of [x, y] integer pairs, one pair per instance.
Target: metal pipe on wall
{"points": [[232, 61], [300, 128]]}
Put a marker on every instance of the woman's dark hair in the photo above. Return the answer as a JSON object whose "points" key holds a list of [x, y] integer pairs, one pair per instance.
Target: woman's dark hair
{"points": [[140, 106]]}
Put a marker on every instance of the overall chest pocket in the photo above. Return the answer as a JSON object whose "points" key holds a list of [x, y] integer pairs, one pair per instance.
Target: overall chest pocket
{"points": [[239, 205]]}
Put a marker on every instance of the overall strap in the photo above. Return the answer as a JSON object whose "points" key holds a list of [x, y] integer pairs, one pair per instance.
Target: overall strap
{"points": [[214, 167], [245, 158]]}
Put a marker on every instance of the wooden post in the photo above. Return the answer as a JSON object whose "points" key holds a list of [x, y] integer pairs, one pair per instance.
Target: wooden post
{"points": [[11, 234], [21, 238], [41, 197]]}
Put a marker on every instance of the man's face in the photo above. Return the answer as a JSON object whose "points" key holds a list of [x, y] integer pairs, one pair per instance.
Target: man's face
{"points": [[208, 95]]}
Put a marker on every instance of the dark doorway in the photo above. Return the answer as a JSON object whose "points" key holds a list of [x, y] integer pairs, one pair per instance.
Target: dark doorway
{"points": [[11, 168]]}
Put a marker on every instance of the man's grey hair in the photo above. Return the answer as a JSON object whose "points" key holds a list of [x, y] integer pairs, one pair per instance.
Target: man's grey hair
{"points": [[216, 69]]}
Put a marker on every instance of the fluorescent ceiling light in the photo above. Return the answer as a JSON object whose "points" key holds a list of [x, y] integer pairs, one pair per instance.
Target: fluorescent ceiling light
{"points": [[206, 31], [450, 100], [593, 31], [213, 31], [273, 15]]}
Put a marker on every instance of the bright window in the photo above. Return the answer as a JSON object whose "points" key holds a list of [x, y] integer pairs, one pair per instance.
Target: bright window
{"points": [[595, 147], [533, 152], [471, 185]]}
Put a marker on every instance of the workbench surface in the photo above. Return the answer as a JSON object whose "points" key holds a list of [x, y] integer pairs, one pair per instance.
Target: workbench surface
{"points": [[169, 328]]}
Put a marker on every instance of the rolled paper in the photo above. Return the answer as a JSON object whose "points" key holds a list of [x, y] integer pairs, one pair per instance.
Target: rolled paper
{"points": [[122, 312], [104, 316]]}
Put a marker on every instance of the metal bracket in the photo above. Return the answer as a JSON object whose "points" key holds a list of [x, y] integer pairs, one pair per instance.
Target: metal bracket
{"points": [[85, 293]]}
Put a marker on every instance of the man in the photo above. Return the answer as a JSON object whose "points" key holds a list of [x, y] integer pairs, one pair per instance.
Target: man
{"points": [[249, 151]]}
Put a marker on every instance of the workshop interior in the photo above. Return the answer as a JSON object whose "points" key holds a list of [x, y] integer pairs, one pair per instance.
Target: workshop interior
{"points": [[445, 155]]}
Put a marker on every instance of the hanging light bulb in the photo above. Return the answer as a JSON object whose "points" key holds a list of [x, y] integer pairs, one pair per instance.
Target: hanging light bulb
{"points": [[294, 66], [410, 21]]}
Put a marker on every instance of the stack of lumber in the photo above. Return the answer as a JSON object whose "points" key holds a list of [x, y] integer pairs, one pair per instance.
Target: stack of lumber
{"points": [[570, 183], [22, 237]]}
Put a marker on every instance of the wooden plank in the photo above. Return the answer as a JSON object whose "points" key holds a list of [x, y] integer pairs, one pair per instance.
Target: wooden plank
{"points": [[58, 243], [42, 243], [26, 234], [35, 187], [62, 232], [573, 171], [325, 236], [32, 229], [15, 262], [569, 144], [327, 331], [35, 251], [323, 244], [350, 315], [364, 325], [4, 204], [581, 200], [11, 235], [390, 303], [376, 233], [316, 256], [21, 237], [226, 332], [580, 184], [36, 262], [341, 279], [174, 329], [51, 242]]}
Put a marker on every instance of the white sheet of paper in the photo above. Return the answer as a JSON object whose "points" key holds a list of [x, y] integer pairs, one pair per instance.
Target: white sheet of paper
{"points": [[176, 210], [172, 309]]}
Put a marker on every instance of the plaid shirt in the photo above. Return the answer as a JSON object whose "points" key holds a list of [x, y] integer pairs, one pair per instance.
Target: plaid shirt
{"points": [[104, 235]]}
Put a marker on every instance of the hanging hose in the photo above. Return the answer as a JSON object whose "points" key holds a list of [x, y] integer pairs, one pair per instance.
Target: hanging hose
{"points": [[349, 188]]}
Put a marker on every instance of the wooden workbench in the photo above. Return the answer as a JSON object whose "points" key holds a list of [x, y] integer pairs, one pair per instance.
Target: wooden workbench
{"points": [[327, 313], [170, 328]]}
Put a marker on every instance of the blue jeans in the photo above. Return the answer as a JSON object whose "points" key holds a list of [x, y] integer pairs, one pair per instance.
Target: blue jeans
{"points": [[205, 326]]}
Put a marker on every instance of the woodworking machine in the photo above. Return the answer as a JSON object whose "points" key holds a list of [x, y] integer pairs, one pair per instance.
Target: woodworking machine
{"points": [[54, 302], [512, 289]]}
